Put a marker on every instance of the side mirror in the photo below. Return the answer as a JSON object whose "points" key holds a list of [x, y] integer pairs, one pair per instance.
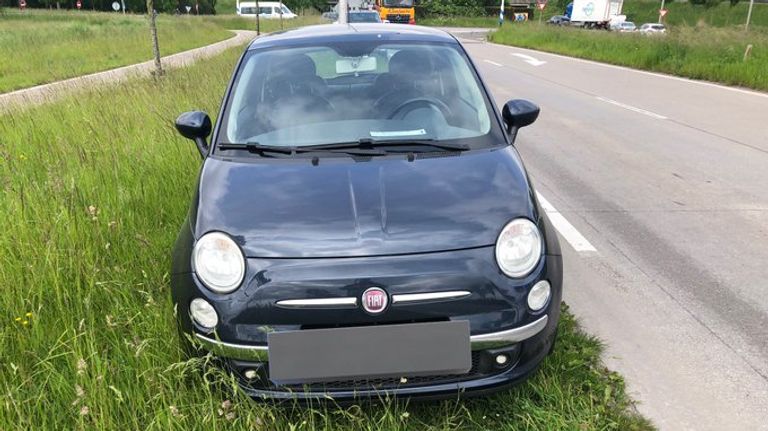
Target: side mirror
{"points": [[195, 125], [519, 113]]}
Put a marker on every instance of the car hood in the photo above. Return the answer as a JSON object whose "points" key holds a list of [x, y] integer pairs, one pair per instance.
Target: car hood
{"points": [[341, 208]]}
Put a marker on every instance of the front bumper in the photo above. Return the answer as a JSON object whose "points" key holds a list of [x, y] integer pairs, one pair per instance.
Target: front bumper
{"points": [[491, 340]]}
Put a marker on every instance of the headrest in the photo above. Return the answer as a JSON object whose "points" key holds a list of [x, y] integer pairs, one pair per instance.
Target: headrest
{"points": [[410, 61], [295, 65]]}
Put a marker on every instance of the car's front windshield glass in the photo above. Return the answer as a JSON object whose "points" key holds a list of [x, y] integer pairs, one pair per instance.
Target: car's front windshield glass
{"points": [[398, 3], [352, 91], [364, 17]]}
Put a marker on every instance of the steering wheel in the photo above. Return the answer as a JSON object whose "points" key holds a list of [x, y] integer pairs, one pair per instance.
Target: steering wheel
{"points": [[418, 102]]}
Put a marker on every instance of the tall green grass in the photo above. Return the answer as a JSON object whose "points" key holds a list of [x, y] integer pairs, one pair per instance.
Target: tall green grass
{"points": [[94, 189], [40, 47], [708, 53]]}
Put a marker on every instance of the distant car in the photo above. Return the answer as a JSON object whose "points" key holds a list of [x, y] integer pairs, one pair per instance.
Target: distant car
{"points": [[625, 27], [267, 10], [650, 28], [559, 20], [357, 17], [363, 226]]}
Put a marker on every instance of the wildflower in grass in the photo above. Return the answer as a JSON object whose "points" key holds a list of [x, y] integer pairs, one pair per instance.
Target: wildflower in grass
{"points": [[93, 212], [174, 411], [28, 315], [229, 416], [18, 319], [24, 322], [81, 366], [84, 411], [112, 224], [79, 391]]}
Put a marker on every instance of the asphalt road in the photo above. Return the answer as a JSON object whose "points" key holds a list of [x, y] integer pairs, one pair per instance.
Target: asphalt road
{"points": [[661, 186]]}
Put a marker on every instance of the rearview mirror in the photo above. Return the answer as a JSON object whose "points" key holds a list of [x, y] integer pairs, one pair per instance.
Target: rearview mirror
{"points": [[519, 113], [195, 125]]}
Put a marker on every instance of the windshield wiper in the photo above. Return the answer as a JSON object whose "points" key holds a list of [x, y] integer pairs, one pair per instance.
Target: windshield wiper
{"points": [[265, 150], [368, 143]]}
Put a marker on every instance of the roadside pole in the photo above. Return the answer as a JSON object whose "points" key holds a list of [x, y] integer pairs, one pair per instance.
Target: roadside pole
{"points": [[153, 32], [749, 14], [258, 29], [501, 13], [343, 7], [281, 14], [662, 8]]}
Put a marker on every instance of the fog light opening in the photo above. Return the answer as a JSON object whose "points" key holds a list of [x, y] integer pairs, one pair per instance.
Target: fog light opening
{"points": [[203, 313], [538, 297], [250, 374], [502, 360]]}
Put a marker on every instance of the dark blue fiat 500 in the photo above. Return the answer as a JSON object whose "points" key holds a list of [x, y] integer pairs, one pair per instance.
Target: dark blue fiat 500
{"points": [[363, 225]]}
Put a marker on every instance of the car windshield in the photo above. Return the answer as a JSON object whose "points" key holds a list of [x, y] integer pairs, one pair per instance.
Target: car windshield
{"points": [[352, 91], [364, 17], [398, 3]]}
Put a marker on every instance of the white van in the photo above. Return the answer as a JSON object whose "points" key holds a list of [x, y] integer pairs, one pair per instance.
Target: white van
{"points": [[267, 10]]}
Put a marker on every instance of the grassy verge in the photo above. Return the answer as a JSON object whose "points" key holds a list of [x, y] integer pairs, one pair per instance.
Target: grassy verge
{"points": [[639, 11], [93, 195], [713, 54], [50, 46]]}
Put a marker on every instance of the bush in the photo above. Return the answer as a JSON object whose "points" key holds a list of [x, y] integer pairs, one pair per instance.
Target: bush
{"points": [[451, 8]]}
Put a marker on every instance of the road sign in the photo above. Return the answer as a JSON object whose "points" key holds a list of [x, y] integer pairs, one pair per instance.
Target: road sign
{"points": [[189, 8], [79, 4], [663, 12], [115, 6], [541, 6], [22, 4]]}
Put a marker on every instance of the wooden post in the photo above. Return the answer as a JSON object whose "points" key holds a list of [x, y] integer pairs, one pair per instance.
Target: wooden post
{"points": [[153, 32]]}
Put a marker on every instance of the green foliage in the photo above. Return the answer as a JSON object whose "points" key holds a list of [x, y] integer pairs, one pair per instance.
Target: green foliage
{"points": [[94, 189], [711, 3], [451, 8]]}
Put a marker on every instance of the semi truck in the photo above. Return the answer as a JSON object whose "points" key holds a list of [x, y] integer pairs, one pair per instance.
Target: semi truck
{"points": [[594, 13]]}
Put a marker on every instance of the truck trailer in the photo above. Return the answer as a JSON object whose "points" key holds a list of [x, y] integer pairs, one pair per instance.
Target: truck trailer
{"points": [[593, 13]]}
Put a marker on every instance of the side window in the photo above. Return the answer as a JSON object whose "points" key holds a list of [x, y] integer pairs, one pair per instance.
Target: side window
{"points": [[265, 11]]}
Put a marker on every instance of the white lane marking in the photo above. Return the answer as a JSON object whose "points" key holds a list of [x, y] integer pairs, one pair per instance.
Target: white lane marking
{"points": [[632, 108], [528, 59], [644, 72], [493, 63], [566, 229]]}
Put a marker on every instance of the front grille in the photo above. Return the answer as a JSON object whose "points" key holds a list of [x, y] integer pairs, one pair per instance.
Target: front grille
{"points": [[398, 18]]}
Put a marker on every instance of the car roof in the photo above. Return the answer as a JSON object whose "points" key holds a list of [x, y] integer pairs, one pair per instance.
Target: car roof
{"points": [[352, 32]]}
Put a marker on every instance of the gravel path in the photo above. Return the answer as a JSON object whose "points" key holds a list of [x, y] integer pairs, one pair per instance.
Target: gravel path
{"points": [[47, 92]]}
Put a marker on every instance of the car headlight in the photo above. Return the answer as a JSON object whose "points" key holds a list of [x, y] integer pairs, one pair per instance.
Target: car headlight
{"points": [[518, 248], [218, 262]]}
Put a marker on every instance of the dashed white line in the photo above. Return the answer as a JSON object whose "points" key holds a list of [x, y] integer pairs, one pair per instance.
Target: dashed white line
{"points": [[493, 63], [632, 108], [566, 229]]}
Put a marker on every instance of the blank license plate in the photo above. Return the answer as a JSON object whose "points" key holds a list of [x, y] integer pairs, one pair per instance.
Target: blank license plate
{"points": [[413, 349]]}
